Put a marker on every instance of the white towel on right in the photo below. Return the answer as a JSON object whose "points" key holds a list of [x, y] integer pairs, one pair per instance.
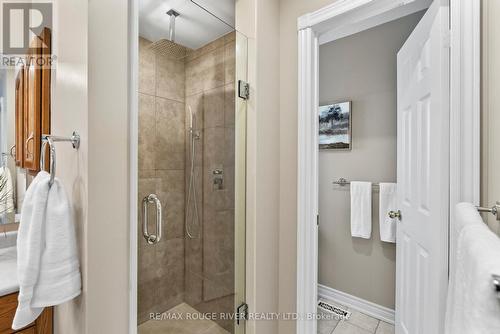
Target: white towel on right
{"points": [[388, 202], [361, 209], [472, 305]]}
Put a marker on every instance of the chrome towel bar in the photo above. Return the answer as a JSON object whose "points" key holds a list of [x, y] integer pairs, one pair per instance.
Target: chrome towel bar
{"points": [[494, 210], [51, 140], [343, 182]]}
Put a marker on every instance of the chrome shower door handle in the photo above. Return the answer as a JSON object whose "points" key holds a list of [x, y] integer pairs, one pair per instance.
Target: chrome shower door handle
{"points": [[151, 238]]}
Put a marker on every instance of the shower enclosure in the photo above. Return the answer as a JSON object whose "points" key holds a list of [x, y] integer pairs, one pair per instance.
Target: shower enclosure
{"points": [[191, 200]]}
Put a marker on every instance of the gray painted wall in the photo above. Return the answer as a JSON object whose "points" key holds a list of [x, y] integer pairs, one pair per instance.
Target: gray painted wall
{"points": [[490, 161], [360, 68]]}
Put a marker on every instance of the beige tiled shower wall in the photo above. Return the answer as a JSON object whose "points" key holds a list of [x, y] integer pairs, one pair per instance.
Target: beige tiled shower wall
{"points": [[199, 270], [162, 172], [209, 259]]}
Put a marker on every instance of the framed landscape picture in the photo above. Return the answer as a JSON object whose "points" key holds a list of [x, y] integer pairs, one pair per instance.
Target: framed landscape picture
{"points": [[335, 126]]}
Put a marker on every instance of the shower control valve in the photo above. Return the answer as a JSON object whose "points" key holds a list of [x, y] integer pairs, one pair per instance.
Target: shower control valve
{"points": [[218, 179]]}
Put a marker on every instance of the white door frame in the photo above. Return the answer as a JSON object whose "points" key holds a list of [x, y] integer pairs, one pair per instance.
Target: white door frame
{"points": [[346, 17], [133, 86]]}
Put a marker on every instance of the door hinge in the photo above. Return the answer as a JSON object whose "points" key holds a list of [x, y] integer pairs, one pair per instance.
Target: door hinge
{"points": [[241, 313], [243, 90], [317, 219]]}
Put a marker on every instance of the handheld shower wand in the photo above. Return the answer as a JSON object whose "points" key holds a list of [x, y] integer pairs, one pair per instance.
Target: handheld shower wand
{"points": [[192, 196]]}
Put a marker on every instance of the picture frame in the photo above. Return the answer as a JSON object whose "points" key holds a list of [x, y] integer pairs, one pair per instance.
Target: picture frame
{"points": [[335, 126]]}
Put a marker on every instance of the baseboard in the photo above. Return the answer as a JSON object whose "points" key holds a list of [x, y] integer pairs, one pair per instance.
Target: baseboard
{"points": [[356, 303]]}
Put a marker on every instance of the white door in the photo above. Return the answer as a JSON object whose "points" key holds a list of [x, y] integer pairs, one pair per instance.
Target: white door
{"points": [[423, 172]]}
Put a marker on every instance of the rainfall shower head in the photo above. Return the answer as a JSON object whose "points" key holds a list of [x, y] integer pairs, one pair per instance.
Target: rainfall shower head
{"points": [[168, 47]]}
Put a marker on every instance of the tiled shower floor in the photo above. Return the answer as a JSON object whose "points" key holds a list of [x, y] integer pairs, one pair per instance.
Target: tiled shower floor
{"points": [[183, 326]]}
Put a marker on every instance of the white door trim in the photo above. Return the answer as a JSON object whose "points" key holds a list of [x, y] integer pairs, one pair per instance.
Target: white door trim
{"points": [[307, 183], [465, 103], [133, 59], [345, 17]]}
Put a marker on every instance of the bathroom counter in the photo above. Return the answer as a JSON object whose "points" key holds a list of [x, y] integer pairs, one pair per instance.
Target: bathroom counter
{"points": [[8, 270]]}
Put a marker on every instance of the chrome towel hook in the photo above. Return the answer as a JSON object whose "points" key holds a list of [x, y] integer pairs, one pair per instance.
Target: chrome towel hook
{"points": [[51, 140]]}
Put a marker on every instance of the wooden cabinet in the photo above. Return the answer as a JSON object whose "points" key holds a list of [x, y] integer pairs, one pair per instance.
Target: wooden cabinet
{"points": [[8, 305], [46, 50], [33, 103], [32, 115], [20, 118]]}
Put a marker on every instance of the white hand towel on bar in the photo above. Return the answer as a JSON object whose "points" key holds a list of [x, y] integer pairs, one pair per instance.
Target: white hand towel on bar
{"points": [[47, 262], [388, 202], [472, 305], [361, 209]]}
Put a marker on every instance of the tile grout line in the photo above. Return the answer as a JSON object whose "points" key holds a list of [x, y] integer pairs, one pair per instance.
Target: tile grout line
{"points": [[232, 83], [366, 330], [335, 326], [353, 324]]}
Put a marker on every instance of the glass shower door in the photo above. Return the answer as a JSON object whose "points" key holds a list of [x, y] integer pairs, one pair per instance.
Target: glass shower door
{"points": [[192, 149]]}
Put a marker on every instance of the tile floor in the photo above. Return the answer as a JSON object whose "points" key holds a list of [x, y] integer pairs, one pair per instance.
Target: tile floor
{"points": [[181, 325], [358, 323]]}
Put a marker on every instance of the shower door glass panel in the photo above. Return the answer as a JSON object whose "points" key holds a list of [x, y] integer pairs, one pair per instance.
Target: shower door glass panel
{"points": [[192, 149]]}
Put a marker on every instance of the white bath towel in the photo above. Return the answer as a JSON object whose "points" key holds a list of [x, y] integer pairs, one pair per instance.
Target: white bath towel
{"points": [[47, 263], [465, 214], [361, 209], [7, 194], [472, 305], [388, 202]]}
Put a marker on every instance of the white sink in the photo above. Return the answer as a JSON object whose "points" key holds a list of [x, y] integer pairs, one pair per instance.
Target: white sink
{"points": [[8, 263]]}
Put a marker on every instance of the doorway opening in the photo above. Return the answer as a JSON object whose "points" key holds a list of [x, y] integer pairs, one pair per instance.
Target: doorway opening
{"points": [[360, 69], [433, 172]]}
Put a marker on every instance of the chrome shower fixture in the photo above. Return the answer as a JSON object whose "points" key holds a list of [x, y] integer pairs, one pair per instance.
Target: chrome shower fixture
{"points": [[192, 221], [171, 29], [168, 47]]}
